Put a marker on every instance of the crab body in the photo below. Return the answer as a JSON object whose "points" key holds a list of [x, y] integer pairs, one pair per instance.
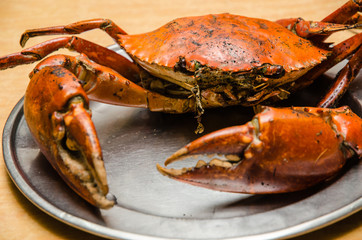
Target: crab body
{"points": [[243, 60], [187, 65]]}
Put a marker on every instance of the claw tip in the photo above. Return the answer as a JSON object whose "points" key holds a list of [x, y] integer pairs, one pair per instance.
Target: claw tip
{"points": [[24, 38], [176, 156], [104, 203], [162, 170], [170, 172]]}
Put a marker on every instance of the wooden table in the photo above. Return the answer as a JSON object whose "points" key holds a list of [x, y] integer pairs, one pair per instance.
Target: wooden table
{"points": [[22, 220]]}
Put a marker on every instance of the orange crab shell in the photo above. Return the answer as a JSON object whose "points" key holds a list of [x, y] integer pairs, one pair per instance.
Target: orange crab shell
{"points": [[223, 41]]}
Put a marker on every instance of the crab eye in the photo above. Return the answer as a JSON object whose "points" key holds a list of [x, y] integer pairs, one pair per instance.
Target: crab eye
{"points": [[271, 71]]}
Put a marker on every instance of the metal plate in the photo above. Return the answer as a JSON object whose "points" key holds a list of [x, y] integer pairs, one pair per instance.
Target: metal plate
{"points": [[151, 206]]}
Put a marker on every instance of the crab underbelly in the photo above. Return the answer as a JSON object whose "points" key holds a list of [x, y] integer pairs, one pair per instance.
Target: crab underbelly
{"points": [[219, 88]]}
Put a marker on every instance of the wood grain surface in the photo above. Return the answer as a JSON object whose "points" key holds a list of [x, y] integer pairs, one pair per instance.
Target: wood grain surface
{"points": [[20, 219]]}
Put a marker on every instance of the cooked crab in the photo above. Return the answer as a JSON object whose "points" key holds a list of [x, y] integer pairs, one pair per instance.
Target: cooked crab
{"points": [[187, 65]]}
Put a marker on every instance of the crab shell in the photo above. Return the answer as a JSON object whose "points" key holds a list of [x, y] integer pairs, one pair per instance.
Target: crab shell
{"points": [[225, 44]]}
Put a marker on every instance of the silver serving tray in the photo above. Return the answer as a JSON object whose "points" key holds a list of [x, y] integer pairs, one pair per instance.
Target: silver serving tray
{"points": [[151, 206]]}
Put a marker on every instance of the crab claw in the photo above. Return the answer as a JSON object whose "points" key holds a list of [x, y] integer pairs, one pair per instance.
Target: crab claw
{"points": [[279, 150], [56, 111]]}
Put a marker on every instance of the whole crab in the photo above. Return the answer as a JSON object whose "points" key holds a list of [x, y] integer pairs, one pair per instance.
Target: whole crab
{"points": [[188, 65]]}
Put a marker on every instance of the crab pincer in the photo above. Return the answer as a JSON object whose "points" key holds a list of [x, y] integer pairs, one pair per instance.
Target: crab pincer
{"points": [[58, 116], [279, 150]]}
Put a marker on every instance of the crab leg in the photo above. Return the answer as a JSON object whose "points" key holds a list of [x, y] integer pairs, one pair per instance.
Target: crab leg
{"points": [[75, 28], [102, 84], [309, 29], [347, 74], [344, 13], [347, 14], [280, 150], [341, 51], [94, 51]]}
